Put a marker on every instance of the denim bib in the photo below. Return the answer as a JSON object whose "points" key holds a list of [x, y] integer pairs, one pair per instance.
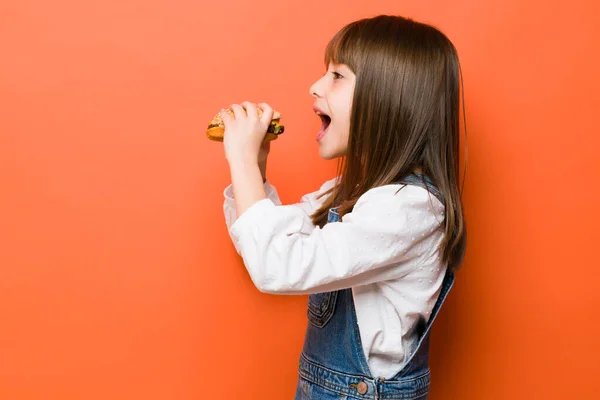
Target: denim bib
{"points": [[333, 364]]}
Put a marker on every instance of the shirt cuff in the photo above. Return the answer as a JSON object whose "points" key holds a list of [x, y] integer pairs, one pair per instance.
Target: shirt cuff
{"points": [[270, 191], [251, 217]]}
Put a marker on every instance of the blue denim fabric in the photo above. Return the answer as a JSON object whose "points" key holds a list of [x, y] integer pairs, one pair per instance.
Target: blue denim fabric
{"points": [[333, 364]]}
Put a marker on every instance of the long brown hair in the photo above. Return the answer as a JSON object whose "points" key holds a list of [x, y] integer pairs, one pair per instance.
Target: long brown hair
{"points": [[404, 116]]}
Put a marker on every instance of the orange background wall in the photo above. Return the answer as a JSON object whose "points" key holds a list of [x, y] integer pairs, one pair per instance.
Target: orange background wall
{"points": [[117, 277]]}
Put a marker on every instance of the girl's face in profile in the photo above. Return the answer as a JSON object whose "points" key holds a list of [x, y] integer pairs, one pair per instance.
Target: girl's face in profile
{"points": [[333, 102]]}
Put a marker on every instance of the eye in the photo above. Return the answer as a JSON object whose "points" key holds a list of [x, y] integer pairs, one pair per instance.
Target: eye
{"points": [[336, 75]]}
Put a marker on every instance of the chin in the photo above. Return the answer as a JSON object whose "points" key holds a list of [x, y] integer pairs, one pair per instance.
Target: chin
{"points": [[327, 154]]}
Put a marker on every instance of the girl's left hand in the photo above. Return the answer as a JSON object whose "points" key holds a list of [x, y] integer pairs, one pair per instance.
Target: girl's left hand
{"points": [[245, 133]]}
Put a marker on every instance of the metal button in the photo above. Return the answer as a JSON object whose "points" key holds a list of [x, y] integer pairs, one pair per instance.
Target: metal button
{"points": [[362, 388]]}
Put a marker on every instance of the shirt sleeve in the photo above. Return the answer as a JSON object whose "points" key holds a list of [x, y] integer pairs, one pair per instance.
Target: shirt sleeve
{"points": [[379, 240], [309, 203]]}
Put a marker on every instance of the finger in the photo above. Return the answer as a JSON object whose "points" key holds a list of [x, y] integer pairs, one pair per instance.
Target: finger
{"points": [[225, 117], [238, 111], [251, 110], [267, 114]]}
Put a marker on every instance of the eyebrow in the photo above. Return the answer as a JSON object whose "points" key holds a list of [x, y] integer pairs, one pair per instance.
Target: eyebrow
{"points": [[343, 69], [338, 66]]}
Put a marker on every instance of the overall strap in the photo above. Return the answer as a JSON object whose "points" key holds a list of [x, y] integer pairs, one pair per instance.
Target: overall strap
{"points": [[423, 181]]}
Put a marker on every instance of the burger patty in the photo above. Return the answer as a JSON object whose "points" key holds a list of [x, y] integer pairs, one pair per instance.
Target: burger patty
{"points": [[274, 127]]}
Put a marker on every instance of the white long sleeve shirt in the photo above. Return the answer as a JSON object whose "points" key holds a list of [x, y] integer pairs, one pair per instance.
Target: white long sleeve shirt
{"points": [[386, 250]]}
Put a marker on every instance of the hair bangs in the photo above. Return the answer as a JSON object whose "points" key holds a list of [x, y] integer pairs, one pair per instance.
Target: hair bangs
{"points": [[343, 48]]}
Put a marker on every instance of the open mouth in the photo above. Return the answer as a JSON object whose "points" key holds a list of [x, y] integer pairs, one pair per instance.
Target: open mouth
{"points": [[325, 122]]}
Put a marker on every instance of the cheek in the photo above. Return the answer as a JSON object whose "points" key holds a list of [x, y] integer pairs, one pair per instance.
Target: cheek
{"points": [[346, 107], [342, 113], [345, 125]]}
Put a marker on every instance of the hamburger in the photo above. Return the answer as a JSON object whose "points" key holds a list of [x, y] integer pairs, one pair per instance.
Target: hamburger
{"points": [[216, 128]]}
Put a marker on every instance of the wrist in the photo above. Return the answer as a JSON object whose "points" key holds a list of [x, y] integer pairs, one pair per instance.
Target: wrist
{"points": [[242, 160]]}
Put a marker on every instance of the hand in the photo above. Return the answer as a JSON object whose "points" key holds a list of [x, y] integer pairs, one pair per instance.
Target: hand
{"points": [[245, 133]]}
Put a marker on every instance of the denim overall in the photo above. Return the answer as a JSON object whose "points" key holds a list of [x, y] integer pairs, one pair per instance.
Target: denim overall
{"points": [[333, 364]]}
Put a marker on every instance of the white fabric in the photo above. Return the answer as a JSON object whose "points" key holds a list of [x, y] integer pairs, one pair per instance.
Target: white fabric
{"points": [[386, 250]]}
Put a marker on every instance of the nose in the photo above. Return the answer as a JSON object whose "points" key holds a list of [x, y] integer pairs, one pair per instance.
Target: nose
{"points": [[316, 89]]}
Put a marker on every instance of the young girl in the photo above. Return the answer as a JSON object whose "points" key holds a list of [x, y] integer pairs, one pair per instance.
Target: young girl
{"points": [[377, 246]]}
